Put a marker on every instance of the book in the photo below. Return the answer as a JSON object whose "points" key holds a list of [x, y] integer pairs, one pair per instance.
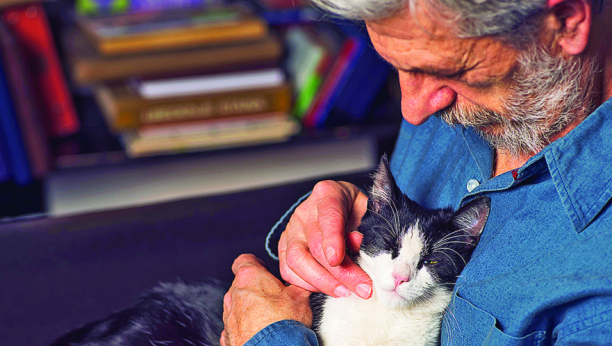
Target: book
{"points": [[11, 137], [291, 15], [282, 4], [209, 135], [307, 62], [351, 84], [88, 67], [30, 27], [27, 112], [172, 29], [5, 174], [124, 108], [102, 7], [217, 83], [10, 3]]}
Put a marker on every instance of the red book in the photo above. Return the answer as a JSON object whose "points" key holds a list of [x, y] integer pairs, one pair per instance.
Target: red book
{"points": [[31, 29], [27, 112]]}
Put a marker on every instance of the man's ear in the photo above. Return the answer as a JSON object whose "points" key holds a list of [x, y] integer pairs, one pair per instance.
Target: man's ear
{"points": [[573, 19]]}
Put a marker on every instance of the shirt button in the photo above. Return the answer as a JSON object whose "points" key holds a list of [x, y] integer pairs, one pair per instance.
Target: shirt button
{"points": [[472, 184]]}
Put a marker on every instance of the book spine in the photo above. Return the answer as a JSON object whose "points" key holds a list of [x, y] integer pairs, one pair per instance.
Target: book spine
{"points": [[247, 134], [247, 29], [87, 69], [27, 112], [9, 130], [168, 111], [5, 174], [31, 29]]}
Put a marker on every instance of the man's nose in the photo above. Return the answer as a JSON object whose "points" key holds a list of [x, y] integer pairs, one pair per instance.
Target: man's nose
{"points": [[423, 95]]}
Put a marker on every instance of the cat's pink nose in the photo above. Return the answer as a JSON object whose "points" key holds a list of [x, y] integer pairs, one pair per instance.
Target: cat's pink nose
{"points": [[400, 279]]}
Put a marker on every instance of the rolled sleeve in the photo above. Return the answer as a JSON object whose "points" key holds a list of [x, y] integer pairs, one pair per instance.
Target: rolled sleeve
{"points": [[286, 332]]}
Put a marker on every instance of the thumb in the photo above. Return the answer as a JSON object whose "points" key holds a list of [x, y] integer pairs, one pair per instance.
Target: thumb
{"points": [[353, 241]]}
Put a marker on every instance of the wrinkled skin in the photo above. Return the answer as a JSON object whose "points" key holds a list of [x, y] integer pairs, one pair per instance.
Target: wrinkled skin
{"points": [[257, 299]]}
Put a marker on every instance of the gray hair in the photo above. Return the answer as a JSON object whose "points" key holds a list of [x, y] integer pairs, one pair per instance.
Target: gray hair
{"points": [[514, 21]]}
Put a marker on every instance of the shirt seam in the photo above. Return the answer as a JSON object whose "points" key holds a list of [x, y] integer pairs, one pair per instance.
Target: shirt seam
{"points": [[583, 325]]}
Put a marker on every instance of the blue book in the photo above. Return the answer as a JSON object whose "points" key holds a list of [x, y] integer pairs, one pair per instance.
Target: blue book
{"points": [[10, 136], [298, 15], [5, 175]]}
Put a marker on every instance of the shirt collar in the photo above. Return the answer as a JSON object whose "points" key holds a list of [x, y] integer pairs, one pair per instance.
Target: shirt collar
{"points": [[580, 164]]}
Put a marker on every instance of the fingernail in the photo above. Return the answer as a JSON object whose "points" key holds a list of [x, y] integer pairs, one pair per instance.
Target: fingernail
{"points": [[330, 254], [364, 291], [342, 291]]}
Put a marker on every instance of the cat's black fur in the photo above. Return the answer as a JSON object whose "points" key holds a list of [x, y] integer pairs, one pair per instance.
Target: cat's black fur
{"points": [[191, 314], [168, 315]]}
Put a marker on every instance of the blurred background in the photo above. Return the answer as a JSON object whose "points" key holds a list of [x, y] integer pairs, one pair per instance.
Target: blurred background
{"points": [[107, 104]]}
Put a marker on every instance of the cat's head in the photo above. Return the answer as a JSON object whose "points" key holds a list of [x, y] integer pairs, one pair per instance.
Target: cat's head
{"points": [[411, 253]]}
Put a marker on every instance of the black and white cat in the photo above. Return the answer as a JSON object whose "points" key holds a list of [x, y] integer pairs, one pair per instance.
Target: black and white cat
{"points": [[414, 257], [412, 254]]}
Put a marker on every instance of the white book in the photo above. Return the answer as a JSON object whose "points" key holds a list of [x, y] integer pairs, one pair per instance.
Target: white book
{"points": [[193, 85]]}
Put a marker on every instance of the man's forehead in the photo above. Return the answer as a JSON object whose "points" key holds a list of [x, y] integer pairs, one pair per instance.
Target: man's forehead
{"points": [[407, 44], [406, 25]]}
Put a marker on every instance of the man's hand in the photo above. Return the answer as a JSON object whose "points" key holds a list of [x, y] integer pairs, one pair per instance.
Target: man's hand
{"points": [[258, 299], [311, 250]]}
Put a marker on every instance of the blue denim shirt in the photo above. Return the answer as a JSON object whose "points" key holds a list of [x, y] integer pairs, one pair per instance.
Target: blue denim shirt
{"points": [[542, 271]]}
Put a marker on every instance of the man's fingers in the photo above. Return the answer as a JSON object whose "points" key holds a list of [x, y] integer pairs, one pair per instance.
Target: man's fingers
{"points": [[227, 304], [353, 277], [332, 211], [290, 276], [224, 339], [246, 259], [336, 281], [353, 242], [286, 272], [360, 206]]}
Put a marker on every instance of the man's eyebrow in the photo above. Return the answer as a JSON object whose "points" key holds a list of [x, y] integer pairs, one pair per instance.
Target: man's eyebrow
{"points": [[436, 71], [430, 70]]}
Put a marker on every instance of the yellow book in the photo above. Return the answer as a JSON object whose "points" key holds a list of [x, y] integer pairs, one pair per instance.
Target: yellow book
{"points": [[172, 29]]}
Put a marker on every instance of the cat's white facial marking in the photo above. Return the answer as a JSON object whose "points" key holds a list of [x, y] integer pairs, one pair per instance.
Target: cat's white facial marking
{"points": [[397, 281]]}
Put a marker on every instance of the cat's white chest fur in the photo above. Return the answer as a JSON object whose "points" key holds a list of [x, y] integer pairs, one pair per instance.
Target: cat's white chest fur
{"points": [[354, 321]]}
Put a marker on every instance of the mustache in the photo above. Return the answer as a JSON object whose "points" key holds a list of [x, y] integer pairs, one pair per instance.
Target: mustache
{"points": [[473, 116]]}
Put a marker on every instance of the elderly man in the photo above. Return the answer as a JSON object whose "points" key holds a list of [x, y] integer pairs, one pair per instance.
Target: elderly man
{"points": [[519, 91]]}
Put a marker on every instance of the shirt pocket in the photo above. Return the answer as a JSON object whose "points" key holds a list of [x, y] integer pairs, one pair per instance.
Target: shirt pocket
{"points": [[465, 324]]}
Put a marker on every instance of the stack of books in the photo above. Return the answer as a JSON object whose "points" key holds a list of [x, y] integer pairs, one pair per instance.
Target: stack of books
{"points": [[178, 80]]}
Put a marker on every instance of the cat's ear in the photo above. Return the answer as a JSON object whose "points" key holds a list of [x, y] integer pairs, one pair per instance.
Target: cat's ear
{"points": [[383, 191], [472, 218]]}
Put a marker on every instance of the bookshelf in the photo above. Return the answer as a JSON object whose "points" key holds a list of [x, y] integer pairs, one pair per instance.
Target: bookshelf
{"points": [[92, 172]]}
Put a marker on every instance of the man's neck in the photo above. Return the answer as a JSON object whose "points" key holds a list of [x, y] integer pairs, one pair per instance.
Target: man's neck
{"points": [[505, 162]]}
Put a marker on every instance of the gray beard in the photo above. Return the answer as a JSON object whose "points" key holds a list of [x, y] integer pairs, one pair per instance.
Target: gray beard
{"points": [[549, 93]]}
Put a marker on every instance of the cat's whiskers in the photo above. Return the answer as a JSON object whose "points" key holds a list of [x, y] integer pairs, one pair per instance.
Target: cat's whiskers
{"points": [[458, 242], [461, 230], [395, 215], [391, 228], [447, 248], [449, 323]]}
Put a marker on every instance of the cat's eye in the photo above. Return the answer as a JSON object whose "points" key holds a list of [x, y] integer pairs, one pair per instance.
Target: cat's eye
{"points": [[429, 262]]}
